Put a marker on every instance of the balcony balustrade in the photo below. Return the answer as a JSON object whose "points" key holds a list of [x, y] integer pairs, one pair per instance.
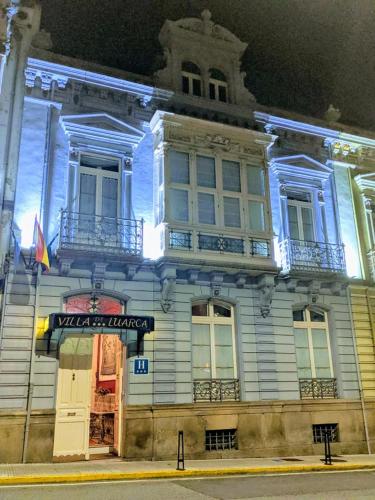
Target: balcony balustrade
{"points": [[214, 390], [318, 388], [107, 235], [312, 256]]}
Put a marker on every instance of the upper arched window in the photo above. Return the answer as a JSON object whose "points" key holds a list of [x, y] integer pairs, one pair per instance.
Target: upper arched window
{"points": [[218, 87], [191, 79]]}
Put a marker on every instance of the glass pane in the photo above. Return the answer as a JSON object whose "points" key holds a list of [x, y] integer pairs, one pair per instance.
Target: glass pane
{"points": [[303, 358], [307, 221], [319, 338], [317, 316], [199, 310], [255, 180], [223, 356], [179, 205], [109, 197], [321, 358], [185, 84], [222, 93], [224, 373], [87, 194], [223, 335], [299, 315], [179, 167], [202, 373], [231, 176], [293, 222], [200, 334], [222, 311], [212, 91], [232, 217], [206, 208], [196, 87], [304, 373], [206, 176], [300, 336], [323, 373], [256, 216], [201, 357]]}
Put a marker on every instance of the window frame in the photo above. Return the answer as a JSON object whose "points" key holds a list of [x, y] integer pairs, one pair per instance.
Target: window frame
{"points": [[211, 320], [309, 325], [299, 204], [216, 83]]}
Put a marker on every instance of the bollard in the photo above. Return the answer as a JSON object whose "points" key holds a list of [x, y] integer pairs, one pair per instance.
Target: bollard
{"points": [[327, 448], [180, 451]]}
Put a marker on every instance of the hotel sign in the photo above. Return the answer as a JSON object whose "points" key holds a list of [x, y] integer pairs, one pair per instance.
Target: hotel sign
{"points": [[144, 324]]}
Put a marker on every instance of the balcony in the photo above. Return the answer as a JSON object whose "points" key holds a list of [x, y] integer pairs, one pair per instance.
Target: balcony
{"points": [[312, 256], [318, 388], [95, 234], [214, 390], [371, 263]]}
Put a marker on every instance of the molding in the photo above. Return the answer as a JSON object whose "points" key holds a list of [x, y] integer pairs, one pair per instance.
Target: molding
{"points": [[46, 78]]}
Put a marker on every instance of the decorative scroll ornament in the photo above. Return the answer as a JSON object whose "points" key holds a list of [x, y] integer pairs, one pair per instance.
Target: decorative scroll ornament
{"points": [[266, 287], [166, 291]]}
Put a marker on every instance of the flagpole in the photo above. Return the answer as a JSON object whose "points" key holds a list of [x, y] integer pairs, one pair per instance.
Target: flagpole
{"points": [[30, 391]]}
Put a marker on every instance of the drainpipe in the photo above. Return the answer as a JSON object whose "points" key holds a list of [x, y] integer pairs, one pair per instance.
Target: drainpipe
{"points": [[358, 374]]}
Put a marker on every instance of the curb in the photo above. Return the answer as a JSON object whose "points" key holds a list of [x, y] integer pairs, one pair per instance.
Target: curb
{"points": [[170, 474]]}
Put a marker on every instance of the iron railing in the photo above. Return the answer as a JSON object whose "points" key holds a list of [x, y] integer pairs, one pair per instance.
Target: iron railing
{"points": [[93, 233], [371, 262], [299, 255], [318, 388], [216, 390]]}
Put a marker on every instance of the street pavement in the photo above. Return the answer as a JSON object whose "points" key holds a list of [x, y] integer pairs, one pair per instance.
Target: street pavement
{"points": [[305, 486]]}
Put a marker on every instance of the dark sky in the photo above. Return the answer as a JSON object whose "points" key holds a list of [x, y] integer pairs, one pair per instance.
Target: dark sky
{"points": [[302, 54]]}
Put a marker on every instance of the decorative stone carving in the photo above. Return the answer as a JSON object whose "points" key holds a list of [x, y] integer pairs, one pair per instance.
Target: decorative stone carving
{"points": [[192, 275], [46, 79], [42, 40], [167, 281], [332, 114], [266, 287], [64, 266], [98, 275], [130, 271], [217, 279], [240, 280], [313, 291]]}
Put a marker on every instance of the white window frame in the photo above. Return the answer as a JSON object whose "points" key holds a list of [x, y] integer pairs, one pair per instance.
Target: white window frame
{"points": [[217, 84], [310, 326], [211, 321], [299, 204], [99, 174], [191, 77]]}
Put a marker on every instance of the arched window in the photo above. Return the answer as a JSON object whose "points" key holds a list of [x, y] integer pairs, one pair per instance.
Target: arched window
{"points": [[218, 87], [213, 341], [191, 79], [313, 349]]}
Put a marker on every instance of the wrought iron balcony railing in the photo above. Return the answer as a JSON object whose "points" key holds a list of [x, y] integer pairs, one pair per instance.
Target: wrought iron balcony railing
{"points": [[318, 388], [93, 233], [313, 256], [216, 390], [371, 263]]}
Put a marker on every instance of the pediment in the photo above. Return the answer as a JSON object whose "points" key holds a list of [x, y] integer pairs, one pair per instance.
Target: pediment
{"points": [[301, 161], [101, 124]]}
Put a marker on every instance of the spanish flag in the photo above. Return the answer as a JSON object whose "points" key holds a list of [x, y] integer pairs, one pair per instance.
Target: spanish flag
{"points": [[41, 253]]}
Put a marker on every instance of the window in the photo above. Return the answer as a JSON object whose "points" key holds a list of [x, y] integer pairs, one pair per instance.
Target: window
{"points": [[217, 85], [191, 79], [319, 430], [216, 192], [213, 341], [300, 216], [313, 350], [223, 439]]}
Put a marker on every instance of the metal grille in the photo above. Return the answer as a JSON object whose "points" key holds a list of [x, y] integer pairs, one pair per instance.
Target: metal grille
{"points": [[93, 233], [320, 429], [180, 239], [220, 243], [260, 247], [318, 388], [224, 439], [299, 255], [216, 390]]}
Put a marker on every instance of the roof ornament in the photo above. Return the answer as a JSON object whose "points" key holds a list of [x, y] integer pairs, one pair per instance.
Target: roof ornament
{"points": [[332, 114], [207, 23]]}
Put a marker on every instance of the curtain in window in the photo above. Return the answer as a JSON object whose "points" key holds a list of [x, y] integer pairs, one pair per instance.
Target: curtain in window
{"points": [[179, 204], [232, 217], [87, 194], [109, 197], [206, 208], [255, 180], [206, 176], [256, 216], [179, 167], [231, 176], [201, 351]]}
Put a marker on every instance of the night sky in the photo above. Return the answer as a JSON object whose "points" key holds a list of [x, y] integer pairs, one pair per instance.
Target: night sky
{"points": [[302, 54]]}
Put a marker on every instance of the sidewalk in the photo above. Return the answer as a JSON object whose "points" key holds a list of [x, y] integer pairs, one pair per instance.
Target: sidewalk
{"points": [[118, 469]]}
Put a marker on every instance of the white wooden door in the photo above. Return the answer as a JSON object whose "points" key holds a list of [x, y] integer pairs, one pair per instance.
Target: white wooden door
{"points": [[73, 398]]}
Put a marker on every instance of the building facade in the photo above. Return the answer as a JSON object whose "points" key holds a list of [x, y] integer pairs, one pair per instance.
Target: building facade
{"points": [[177, 198]]}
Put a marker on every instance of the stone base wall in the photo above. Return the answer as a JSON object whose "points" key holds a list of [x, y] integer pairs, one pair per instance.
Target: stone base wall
{"points": [[263, 429], [12, 429]]}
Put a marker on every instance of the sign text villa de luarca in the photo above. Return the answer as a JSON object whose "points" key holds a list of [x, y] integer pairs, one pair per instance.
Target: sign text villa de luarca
{"points": [[116, 321]]}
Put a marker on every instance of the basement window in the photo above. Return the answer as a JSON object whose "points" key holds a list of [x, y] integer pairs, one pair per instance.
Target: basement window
{"points": [[320, 429], [224, 439]]}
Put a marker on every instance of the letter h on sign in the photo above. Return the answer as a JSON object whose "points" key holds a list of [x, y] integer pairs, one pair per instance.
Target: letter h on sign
{"points": [[141, 366]]}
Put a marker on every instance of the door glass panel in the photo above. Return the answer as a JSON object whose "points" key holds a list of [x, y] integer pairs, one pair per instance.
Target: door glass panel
{"points": [[255, 180], [222, 311], [179, 167], [199, 310], [232, 217], [223, 335], [179, 205], [200, 334], [109, 197], [301, 338], [256, 216], [206, 208], [299, 315], [319, 338], [206, 175], [231, 176], [293, 223], [317, 316], [87, 194], [307, 222]]}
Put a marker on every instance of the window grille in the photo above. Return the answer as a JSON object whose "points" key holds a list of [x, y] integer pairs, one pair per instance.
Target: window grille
{"points": [[320, 429], [224, 439]]}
